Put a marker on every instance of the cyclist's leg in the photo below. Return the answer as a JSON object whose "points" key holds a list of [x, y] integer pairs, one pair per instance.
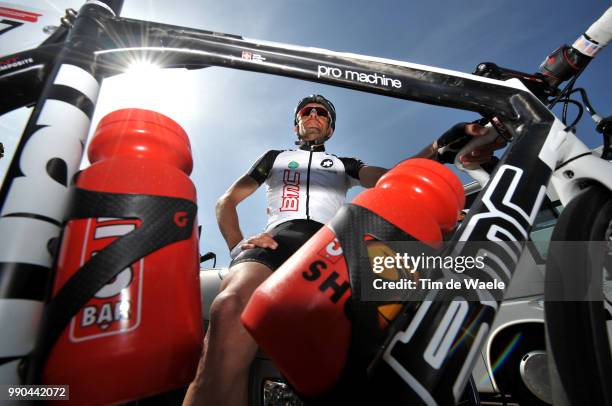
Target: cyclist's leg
{"points": [[222, 375]]}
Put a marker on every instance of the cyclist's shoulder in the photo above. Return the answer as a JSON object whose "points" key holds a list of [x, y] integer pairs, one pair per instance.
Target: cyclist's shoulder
{"points": [[274, 152], [263, 165], [352, 166], [270, 155], [347, 160]]}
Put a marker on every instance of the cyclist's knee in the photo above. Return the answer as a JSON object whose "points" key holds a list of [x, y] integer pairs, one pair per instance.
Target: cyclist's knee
{"points": [[226, 307], [235, 293]]}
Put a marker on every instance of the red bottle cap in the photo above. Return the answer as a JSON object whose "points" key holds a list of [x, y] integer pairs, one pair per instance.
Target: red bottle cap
{"points": [[139, 133]]}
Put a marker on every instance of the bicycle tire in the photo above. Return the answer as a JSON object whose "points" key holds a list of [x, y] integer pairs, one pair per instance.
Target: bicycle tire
{"points": [[577, 329]]}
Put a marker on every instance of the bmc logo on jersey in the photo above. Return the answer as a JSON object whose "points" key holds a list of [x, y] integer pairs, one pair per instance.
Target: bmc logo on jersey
{"points": [[291, 191]]}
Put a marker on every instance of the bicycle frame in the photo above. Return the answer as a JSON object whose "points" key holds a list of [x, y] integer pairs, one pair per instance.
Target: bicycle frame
{"points": [[577, 166], [64, 77]]}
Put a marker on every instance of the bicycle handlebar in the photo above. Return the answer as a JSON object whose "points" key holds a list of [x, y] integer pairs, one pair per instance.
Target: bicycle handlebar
{"points": [[562, 64], [601, 30]]}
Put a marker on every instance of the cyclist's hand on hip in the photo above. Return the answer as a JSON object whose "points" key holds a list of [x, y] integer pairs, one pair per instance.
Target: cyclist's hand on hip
{"points": [[262, 240]]}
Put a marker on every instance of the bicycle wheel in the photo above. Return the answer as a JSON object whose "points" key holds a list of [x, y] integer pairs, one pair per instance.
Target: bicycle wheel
{"points": [[577, 329]]}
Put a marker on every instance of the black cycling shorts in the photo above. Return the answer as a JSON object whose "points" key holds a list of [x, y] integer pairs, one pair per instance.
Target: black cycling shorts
{"points": [[289, 235]]}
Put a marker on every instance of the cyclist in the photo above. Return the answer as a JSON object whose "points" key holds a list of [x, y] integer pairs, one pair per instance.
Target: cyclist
{"points": [[305, 189]]}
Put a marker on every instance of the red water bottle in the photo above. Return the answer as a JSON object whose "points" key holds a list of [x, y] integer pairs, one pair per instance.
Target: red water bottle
{"points": [[299, 315], [141, 333]]}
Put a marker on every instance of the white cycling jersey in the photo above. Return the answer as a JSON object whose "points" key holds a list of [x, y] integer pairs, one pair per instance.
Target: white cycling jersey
{"points": [[304, 184]]}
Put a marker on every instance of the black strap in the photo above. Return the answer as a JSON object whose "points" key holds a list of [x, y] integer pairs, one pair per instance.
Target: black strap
{"points": [[350, 225], [165, 220]]}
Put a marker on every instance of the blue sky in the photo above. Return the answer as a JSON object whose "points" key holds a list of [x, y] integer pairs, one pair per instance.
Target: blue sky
{"points": [[232, 117]]}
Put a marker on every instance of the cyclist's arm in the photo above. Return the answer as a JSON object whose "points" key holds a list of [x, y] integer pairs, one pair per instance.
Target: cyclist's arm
{"points": [[429, 152], [227, 216], [369, 175]]}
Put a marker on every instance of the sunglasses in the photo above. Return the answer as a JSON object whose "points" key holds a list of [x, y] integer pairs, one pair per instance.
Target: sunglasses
{"points": [[306, 111]]}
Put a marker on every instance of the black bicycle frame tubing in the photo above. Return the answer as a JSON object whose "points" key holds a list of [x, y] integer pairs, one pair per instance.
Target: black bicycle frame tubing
{"points": [[22, 76], [501, 212], [130, 41], [34, 195], [496, 228]]}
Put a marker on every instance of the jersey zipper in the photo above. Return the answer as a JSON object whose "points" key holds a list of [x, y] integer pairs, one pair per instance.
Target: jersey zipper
{"points": [[308, 186]]}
